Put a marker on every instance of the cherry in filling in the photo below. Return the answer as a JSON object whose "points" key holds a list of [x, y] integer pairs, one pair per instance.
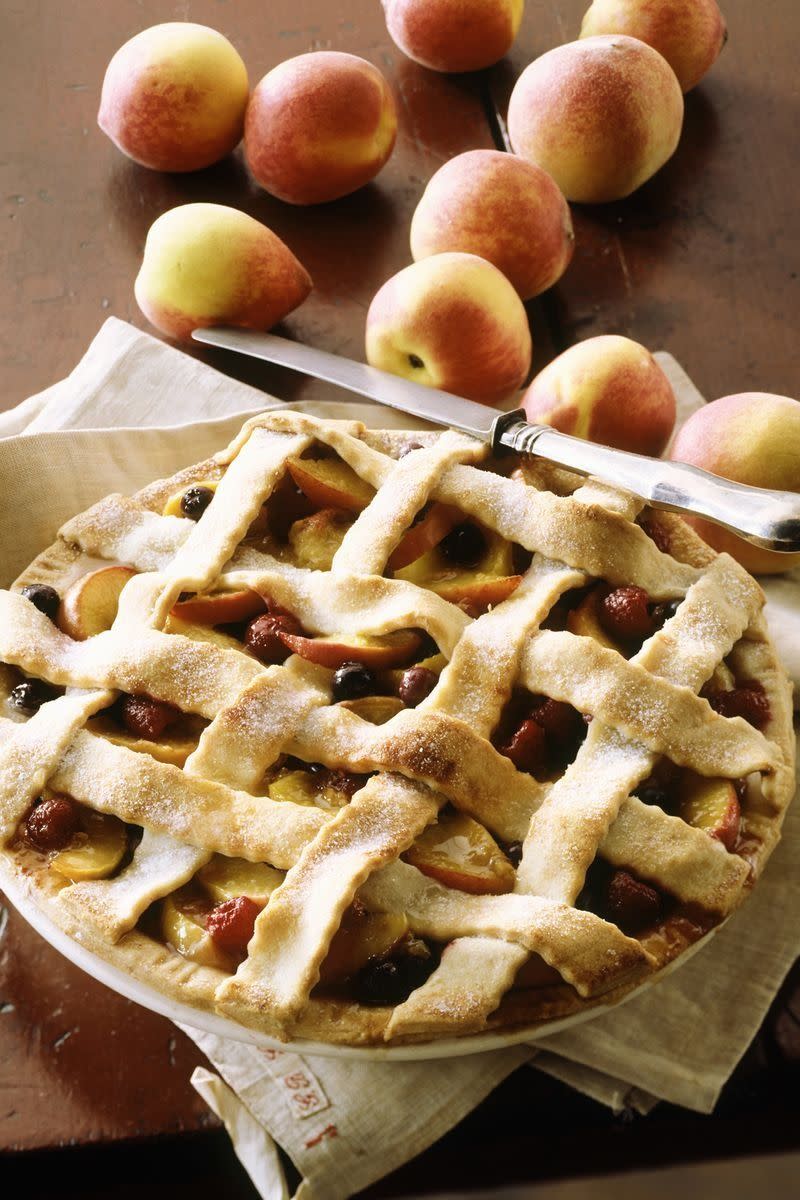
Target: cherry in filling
{"points": [[748, 700], [231, 924], [146, 717], [618, 896], [52, 823], [538, 733]]}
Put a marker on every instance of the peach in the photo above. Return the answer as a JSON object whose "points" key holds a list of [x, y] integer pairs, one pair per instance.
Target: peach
{"points": [[602, 115], [607, 389], [712, 805], [391, 650], [689, 33], [454, 35], [503, 209], [754, 438], [174, 97], [451, 321], [207, 264], [318, 126]]}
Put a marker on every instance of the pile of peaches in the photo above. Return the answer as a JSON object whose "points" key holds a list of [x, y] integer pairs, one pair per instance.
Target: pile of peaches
{"points": [[588, 122]]}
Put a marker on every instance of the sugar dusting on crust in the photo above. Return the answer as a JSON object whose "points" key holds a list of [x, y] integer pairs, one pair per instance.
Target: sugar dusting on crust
{"points": [[488, 935]]}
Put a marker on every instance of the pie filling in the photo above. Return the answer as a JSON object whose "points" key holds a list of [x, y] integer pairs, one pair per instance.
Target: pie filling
{"points": [[376, 957]]}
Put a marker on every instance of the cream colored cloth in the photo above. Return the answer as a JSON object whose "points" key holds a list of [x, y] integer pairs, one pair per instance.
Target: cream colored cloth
{"points": [[135, 409]]}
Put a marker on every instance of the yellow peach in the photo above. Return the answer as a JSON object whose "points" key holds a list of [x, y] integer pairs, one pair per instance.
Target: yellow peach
{"points": [[451, 321], [601, 115], [501, 208], [609, 390], [207, 264], [319, 126], [689, 33], [174, 97], [754, 438], [454, 35]]}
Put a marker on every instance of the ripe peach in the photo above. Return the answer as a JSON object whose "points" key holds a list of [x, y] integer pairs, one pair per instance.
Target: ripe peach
{"points": [[754, 438], [602, 115], [689, 33], [207, 264], [451, 321], [319, 126], [607, 389], [501, 208], [174, 97], [454, 35]]}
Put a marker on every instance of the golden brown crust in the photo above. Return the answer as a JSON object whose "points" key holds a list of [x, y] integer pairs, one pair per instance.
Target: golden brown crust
{"points": [[522, 1008]]}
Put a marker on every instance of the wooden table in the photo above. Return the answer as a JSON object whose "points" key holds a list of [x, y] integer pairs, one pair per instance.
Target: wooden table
{"points": [[703, 261]]}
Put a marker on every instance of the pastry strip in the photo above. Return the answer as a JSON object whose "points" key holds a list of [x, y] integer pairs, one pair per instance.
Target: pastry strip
{"points": [[294, 931]]}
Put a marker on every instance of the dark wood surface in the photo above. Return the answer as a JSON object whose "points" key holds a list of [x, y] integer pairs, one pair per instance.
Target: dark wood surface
{"points": [[703, 262]]}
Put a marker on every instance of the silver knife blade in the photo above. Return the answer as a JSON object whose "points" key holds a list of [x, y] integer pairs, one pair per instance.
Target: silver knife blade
{"points": [[430, 404], [765, 518]]}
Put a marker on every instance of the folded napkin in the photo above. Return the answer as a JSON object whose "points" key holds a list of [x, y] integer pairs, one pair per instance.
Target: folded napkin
{"points": [[135, 409]]}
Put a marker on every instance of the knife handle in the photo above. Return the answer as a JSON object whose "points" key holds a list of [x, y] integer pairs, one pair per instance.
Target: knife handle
{"points": [[765, 518]]}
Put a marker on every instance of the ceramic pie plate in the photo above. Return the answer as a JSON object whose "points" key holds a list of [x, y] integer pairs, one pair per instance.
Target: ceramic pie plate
{"points": [[184, 1014], [218, 1025]]}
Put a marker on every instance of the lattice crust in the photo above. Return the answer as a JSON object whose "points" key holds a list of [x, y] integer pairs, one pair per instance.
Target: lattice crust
{"points": [[419, 760]]}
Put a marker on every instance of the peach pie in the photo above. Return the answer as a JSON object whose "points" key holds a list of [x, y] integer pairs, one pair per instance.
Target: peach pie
{"points": [[369, 737]]}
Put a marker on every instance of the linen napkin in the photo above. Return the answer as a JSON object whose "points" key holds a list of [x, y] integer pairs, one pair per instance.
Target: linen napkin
{"points": [[135, 409]]}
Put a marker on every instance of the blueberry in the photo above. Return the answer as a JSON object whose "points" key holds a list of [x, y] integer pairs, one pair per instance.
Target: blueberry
{"points": [[464, 545], [30, 695], [352, 680], [416, 683], [514, 853], [651, 793], [195, 500], [661, 613], [43, 597], [392, 981]]}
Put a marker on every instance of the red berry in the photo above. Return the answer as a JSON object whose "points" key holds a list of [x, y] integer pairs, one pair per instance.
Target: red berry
{"points": [[232, 922], [749, 701], [631, 904], [416, 684], [560, 721], [52, 823], [145, 717], [527, 748], [658, 534], [263, 636], [624, 614]]}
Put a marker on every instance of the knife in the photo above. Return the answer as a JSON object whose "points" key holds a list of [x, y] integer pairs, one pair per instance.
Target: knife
{"points": [[765, 518]]}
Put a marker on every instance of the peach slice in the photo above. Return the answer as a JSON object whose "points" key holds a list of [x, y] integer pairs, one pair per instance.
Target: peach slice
{"points": [[390, 650], [477, 593], [362, 936], [712, 805], [98, 851], [300, 787], [375, 709], [330, 483], [222, 608], [491, 579], [174, 750], [202, 633], [172, 508], [427, 533], [90, 604], [460, 853], [585, 621], [226, 878], [314, 540], [183, 928]]}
